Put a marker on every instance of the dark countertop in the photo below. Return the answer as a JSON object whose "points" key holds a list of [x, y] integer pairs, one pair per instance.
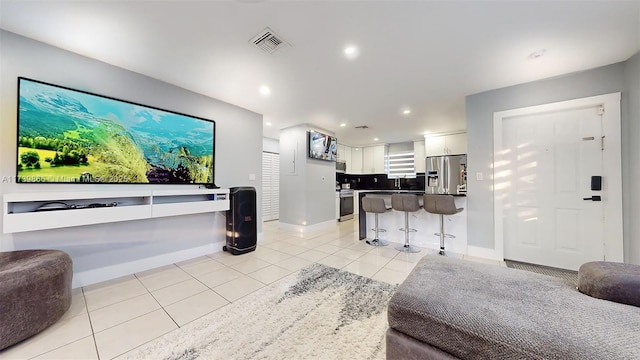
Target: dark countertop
{"points": [[395, 191]]}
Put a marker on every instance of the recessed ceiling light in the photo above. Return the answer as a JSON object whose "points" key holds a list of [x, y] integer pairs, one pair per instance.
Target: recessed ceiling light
{"points": [[375, 139], [343, 125], [264, 90], [268, 123], [406, 112], [537, 54], [351, 52]]}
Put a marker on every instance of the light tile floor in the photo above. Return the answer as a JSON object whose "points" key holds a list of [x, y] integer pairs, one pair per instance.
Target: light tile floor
{"points": [[113, 317]]}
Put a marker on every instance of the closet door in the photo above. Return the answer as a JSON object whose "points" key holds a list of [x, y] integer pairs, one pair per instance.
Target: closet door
{"points": [[270, 186]]}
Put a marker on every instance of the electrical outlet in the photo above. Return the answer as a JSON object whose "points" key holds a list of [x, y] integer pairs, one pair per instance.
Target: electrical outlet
{"points": [[479, 176]]}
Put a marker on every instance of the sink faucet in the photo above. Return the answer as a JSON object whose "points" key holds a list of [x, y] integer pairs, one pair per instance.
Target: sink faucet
{"points": [[398, 181]]}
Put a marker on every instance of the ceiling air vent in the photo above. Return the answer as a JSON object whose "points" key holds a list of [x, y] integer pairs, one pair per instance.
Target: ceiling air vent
{"points": [[268, 41], [362, 127]]}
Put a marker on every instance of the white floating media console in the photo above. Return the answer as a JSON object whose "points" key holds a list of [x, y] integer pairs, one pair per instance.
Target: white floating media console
{"points": [[20, 213]]}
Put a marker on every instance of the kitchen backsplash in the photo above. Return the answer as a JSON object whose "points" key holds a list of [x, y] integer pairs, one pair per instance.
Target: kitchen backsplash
{"points": [[380, 182]]}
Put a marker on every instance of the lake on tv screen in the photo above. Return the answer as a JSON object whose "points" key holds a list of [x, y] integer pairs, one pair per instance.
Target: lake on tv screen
{"points": [[69, 136]]}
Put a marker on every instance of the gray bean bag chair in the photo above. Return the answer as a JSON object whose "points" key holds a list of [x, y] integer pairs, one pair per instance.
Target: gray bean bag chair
{"points": [[35, 291]]}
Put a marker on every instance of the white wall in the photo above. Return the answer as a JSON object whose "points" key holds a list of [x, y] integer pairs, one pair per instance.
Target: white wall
{"points": [[631, 160], [107, 251], [292, 176], [270, 145], [307, 186], [320, 189], [479, 111]]}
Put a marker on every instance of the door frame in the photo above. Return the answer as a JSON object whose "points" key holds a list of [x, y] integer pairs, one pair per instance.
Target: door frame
{"points": [[611, 161]]}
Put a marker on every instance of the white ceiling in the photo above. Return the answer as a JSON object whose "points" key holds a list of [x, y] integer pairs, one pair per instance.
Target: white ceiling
{"points": [[422, 55]]}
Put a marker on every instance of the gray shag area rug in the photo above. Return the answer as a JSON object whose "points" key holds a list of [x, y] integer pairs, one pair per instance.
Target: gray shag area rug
{"points": [[317, 313], [567, 275]]}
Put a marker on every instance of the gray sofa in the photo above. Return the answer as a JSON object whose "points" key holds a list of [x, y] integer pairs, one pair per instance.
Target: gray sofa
{"points": [[456, 309]]}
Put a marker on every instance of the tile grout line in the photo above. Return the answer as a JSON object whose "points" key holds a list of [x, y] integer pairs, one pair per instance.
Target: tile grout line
{"points": [[63, 345], [93, 333], [164, 310], [156, 300], [340, 240], [229, 301], [207, 286]]}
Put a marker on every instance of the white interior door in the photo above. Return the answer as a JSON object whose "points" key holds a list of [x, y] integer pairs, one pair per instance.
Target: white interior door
{"points": [[270, 186], [548, 163]]}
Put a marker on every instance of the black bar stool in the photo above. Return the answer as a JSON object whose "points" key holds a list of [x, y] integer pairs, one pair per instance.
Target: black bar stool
{"points": [[441, 205], [407, 203], [376, 206]]}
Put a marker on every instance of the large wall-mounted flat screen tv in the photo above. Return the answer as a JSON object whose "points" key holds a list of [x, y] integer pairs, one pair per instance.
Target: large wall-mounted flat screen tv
{"points": [[322, 146], [71, 136]]}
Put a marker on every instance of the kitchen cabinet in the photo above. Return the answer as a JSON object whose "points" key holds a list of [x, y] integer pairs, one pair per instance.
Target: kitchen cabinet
{"points": [[340, 153], [456, 144], [356, 161], [446, 144], [347, 158], [373, 159], [418, 156], [344, 155]]}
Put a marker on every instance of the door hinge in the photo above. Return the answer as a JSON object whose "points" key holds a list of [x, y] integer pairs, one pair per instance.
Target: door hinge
{"points": [[602, 143], [600, 110]]}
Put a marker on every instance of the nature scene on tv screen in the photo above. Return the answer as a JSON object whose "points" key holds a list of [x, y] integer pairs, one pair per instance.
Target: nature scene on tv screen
{"points": [[67, 136]]}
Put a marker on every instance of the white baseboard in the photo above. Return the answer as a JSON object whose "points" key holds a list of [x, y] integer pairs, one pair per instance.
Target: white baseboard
{"points": [[483, 253], [117, 270], [308, 228]]}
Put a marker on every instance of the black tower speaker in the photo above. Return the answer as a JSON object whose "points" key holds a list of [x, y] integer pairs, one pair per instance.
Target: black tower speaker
{"points": [[242, 229]]}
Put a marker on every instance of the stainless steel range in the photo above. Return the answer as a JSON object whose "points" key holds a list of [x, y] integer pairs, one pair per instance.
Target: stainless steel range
{"points": [[346, 204]]}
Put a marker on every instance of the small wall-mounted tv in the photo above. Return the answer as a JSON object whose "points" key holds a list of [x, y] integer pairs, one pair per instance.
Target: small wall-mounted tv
{"points": [[322, 146], [72, 136]]}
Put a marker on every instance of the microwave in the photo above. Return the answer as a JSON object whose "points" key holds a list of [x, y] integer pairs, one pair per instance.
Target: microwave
{"points": [[341, 167]]}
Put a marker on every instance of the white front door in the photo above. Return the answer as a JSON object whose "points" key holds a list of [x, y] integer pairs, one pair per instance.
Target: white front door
{"points": [[549, 162]]}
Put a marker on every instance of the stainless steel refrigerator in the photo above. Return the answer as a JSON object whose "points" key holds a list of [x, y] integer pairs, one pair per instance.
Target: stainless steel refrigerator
{"points": [[446, 174]]}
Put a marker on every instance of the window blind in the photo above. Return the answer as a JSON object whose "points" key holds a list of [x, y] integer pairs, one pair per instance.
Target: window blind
{"points": [[399, 162]]}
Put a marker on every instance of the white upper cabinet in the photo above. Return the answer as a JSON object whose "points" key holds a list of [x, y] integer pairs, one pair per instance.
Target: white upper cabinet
{"points": [[418, 156], [446, 145], [341, 152], [434, 146], [366, 160], [456, 144], [373, 159], [356, 161], [347, 158], [344, 155]]}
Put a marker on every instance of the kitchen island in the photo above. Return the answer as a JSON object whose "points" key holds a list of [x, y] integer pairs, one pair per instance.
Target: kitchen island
{"points": [[427, 224]]}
